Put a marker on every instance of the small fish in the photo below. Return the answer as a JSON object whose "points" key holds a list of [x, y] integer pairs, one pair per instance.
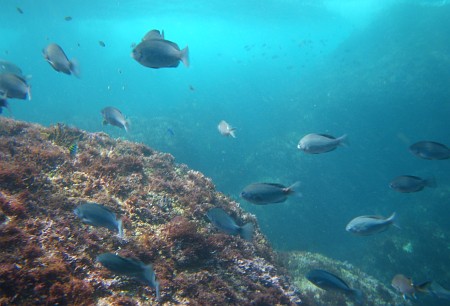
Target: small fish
{"points": [[225, 129], [73, 149], [19, 10], [132, 268], [268, 193], [430, 150], [328, 281], [68, 18], [223, 222], [113, 116], [14, 86], [407, 288], [320, 143], [98, 215], [56, 57], [409, 183], [191, 88], [369, 225], [171, 132], [101, 43], [156, 52]]}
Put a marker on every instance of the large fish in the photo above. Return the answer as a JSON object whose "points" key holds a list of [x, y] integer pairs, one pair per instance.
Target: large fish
{"points": [[56, 57], [410, 183], [113, 116], [328, 281], [407, 288], [430, 150], [98, 215], [14, 86], [369, 225], [130, 267], [267, 193], [320, 143], [156, 52], [223, 222]]}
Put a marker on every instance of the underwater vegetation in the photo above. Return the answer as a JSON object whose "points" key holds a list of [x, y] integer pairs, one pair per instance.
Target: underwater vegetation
{"points": [[48, 255]]}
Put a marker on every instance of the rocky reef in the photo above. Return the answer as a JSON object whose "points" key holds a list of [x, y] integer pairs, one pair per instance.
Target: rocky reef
{"points": [[48, 256], [373, 292]]}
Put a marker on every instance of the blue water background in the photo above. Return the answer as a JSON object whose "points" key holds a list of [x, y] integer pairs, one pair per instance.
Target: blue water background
{"points": [[276, 70]]}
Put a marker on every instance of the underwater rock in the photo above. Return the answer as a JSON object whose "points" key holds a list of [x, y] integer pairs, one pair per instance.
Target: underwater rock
{"points": [[48, 256], [373, 292]]}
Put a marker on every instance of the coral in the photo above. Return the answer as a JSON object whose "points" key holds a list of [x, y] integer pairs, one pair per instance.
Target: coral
{"points": [[49, 256]]}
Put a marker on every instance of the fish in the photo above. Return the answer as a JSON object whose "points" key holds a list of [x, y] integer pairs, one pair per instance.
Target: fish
{"points": [[410, 183], [98, 215], [19, 10], [156, 52], [132, 268], [225, 129], [223, 222], [101, 43], [113, 116], [56, 57], [73, 149], [8, 67], [14, 86], [68, 18], [430, 150], [407, 288], [320, 143], [268, 193], [369, 225], [328, 281], [171, 132]]}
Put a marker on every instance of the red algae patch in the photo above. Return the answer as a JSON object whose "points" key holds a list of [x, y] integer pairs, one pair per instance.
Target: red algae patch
{"points": [[48, 255]]}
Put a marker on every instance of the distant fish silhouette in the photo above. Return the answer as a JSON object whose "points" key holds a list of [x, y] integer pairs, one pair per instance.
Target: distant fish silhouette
{"points": [[170, 131]]}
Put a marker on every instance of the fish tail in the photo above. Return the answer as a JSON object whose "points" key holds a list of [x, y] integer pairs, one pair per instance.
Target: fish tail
{"points": [[120, 228], [150, 276], [232, 132], [431, 182], [75, 67], [126, 126], [29, 93], [343, 140], [185, 56], [393, 220], [424, 286], [246, 231], [294, 189], [358, 296]]}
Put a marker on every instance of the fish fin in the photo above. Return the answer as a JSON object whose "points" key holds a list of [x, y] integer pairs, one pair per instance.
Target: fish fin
{"points": [[120, 228], [162, 34], [75, 67], [424, 286], [185, 56], [343, 140], [392, 219], [431, 182], [104, 122], [150, 276], [126, 126], [246, 231], [29, 92], [232, 132]]}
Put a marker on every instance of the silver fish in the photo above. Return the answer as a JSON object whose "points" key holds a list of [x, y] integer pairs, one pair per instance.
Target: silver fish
{"points": [[268, 193], [328, 281], [157, 52], [56, 57], [225, 129], [369, 225], [130, 267], [410, 183], [98, 215], [13, 86], [113, 116], [320, 143], [222, 221], [430, 150]]}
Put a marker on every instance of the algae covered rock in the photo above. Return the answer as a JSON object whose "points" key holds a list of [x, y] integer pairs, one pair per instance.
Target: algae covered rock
{"points": [[48, 256], [373, 292]]}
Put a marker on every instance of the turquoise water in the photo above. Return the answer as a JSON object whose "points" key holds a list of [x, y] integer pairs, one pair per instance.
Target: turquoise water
{"points": [[378, 71]]}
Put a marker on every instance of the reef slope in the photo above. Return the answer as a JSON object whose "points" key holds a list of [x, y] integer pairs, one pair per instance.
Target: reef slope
{"points": [[48, 255]]}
